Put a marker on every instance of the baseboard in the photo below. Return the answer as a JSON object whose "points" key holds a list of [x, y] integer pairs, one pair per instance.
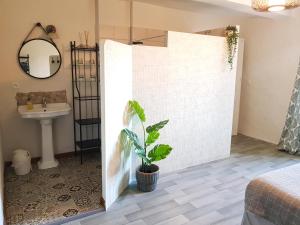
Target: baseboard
{"points": [[267, 140]]}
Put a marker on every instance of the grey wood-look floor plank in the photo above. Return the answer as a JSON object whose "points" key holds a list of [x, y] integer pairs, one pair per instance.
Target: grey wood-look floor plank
{"points": [[201, 211], [168, 214], [103, 218], [163, 199], [73, 223], [117, 220], [233, 209], [137, 222], [206, 219], [208, 194], [194, 196], [151, 211], [177, 220], [229, 221]]}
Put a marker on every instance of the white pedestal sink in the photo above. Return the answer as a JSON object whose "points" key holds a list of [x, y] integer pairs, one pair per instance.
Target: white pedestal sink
{"points": [[45, 116]]}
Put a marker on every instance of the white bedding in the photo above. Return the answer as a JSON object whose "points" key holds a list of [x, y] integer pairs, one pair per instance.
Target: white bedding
{"points": [[274, 197]]}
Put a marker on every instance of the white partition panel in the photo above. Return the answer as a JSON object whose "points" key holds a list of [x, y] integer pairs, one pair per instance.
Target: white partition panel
{"points": [[116, 90], [190, 83]]}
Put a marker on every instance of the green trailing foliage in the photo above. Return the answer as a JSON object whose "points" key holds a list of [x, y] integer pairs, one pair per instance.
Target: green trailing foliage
{"points": [[159, 151], [232, 38]]}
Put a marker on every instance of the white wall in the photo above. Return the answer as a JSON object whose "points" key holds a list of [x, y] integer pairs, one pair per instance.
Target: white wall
{"points": [[172, 16], [169, 17], [17, 18], [151, 18], [272, 50], [189, 83], [238, 86], [116, 91]]}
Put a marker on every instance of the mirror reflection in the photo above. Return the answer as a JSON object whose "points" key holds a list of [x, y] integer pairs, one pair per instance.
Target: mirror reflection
{"points": [[39, 58]]}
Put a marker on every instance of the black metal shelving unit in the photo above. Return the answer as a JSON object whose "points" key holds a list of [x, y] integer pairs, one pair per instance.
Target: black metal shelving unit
{"points": [[86, 98]]}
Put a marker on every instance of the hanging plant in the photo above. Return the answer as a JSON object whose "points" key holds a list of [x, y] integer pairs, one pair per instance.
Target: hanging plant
{"points": [[232, 37]]}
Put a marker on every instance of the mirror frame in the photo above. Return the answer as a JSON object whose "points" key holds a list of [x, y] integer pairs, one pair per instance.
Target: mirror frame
{"points": [[41, 39]]}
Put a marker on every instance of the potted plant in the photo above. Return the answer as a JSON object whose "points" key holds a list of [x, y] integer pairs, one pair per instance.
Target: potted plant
{"points": [[147, 173], [232, 38]]}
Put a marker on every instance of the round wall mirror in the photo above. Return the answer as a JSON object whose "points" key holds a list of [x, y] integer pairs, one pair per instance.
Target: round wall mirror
{"points": [[39, 58]]}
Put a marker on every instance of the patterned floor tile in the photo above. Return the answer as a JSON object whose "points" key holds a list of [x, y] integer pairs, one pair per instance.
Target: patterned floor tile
{"points": [[53, 194]]}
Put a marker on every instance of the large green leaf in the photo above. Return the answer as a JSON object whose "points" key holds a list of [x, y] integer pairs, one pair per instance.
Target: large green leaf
{"points": [[138, 110], [138, 149], [152, 137], [142, 154], [156, 126], [133, 138], [131, 135], [159, 152], [126, 144]]}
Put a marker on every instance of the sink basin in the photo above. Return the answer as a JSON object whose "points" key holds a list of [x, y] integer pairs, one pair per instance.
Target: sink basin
{"points": [[51, 111], [45, 116]]}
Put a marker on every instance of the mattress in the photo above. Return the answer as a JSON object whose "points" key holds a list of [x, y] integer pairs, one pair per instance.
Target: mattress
{"points": [[274, 198]]}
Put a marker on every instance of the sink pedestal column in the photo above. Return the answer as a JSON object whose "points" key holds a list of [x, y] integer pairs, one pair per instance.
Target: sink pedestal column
{"points": [[47, 160]]}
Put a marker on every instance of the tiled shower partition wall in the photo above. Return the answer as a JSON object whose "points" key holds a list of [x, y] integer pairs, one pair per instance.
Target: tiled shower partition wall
{"points": [[188, 82], [191, 84]]}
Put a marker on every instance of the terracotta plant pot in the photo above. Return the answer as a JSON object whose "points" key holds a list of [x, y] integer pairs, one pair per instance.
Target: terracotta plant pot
{"points": [[147, 177]]}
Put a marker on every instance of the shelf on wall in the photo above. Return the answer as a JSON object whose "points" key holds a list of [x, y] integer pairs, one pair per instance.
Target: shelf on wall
{"points": [[85, 48], [86, 80], [87, 98], [88, 144], [84, 65], [89, 121]]}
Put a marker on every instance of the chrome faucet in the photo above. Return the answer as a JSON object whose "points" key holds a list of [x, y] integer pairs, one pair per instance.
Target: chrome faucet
{"points": [[44, 102]]}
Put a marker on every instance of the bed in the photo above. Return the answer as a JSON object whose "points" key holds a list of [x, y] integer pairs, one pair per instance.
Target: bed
{"points": [[274, 198]]}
